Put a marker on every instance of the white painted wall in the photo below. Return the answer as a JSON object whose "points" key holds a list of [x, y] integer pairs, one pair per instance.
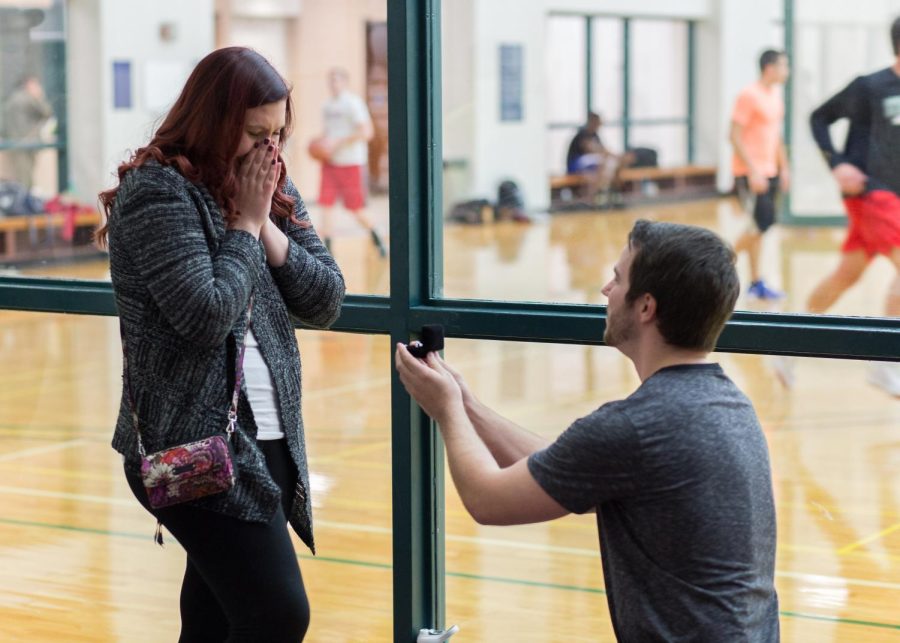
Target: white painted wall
{"points": [[103, 31], [87, 134], [508, 150], [743, 31], [458, 99], [655, 8]]}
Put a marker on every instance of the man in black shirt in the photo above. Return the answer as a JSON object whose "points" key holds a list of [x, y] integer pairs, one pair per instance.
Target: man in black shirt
{"points": [[588, 156], [867, 171]]}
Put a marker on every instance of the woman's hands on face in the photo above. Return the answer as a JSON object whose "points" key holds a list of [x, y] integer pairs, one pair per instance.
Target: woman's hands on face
{"points": [[257, 177]]}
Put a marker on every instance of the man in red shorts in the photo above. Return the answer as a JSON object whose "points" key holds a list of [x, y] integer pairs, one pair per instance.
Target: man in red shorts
{"points": [[868, 173], [348, 128]]}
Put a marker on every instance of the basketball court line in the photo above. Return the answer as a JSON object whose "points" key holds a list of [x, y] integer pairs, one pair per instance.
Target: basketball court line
{"points": [[24, 453], [474, 540], [382, 506], [513, 581], [864, 541], [385, 466]]}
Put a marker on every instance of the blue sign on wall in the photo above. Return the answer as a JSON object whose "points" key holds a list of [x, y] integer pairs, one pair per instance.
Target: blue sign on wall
{"points": [[121, 84], [511, 81]]}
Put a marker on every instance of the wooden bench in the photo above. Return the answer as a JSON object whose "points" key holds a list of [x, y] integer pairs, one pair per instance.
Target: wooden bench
{"points": [[26, 237], [670, 182]]}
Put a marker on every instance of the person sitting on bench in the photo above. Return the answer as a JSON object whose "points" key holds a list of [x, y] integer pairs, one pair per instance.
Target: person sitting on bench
{"points": [[588, 156]]}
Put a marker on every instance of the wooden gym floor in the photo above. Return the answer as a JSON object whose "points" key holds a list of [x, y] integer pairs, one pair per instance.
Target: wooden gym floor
{"points": [[76, 550]]}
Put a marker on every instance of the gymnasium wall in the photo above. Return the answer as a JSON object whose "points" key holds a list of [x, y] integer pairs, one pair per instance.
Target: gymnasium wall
{"points": [[103, 31]]}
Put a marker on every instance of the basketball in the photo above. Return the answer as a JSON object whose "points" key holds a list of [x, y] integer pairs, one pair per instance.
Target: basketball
{"points": [[320, 150]]}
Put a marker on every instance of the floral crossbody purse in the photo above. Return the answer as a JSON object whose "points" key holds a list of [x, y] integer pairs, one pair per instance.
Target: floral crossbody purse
{"points": [[194, 469]]}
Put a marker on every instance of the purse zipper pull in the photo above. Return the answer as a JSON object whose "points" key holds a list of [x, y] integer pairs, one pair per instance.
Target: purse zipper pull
{"points": [[158, 535], [232, 423]]}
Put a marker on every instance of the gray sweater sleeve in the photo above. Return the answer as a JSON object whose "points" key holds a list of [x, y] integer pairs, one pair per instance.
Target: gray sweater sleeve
{"points": [[201, 293], [309, 281]]}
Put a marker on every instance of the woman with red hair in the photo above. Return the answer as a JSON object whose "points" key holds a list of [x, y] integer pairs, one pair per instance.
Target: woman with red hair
{"points": [[213, 258]]}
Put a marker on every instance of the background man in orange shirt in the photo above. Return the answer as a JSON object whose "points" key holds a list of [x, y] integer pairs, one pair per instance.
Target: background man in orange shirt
{"points": [[760, 160]]}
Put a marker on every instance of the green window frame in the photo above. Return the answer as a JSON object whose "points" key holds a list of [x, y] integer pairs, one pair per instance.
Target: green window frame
{"points": [[416, 227]]}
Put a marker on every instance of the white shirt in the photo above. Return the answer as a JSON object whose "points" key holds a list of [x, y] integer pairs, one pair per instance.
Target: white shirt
{"points": [[261, 391], [343, 115]]}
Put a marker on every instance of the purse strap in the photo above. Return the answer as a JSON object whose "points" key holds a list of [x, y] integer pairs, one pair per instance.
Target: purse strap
{"points": [[238, 378]]}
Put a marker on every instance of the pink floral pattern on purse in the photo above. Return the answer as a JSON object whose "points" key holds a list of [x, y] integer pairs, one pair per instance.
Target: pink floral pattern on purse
{"points": [[194, 469], [188, 471]]}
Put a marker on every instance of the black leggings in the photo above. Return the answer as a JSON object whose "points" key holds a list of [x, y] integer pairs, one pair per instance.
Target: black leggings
{"points": [[242, 581]]}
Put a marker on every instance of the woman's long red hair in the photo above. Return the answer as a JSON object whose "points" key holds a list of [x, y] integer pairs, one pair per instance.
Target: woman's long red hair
{"points": [[202, 131]]}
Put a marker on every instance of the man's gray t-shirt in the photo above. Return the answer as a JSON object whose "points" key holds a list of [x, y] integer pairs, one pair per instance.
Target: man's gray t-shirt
{"points": [[679, 475]]}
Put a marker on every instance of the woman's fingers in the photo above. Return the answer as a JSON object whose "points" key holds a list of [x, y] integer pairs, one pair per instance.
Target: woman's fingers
{"points": [[256, 161], [272, 176], [260, 161], [268, 160]]}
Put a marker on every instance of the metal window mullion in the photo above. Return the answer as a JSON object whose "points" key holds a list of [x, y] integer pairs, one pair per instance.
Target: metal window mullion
{"points": [[748, 332], [416, 453]]}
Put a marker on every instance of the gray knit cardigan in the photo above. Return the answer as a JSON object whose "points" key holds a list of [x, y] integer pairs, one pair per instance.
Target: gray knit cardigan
{"points": [[182, 284]]}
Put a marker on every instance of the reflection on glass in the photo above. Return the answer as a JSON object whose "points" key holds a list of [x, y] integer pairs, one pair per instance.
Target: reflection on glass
{"points": [[66, 509], [129, 68], [833, 448]]}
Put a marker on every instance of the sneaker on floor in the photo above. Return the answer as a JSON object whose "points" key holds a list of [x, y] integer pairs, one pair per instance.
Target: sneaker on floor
{"points": [[759, 290], [886, 376], [785, 371]]}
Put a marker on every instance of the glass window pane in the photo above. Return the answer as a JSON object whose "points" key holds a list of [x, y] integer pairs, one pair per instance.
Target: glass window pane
{"points": [[72, 530], [565, 67], [830, 442], [658, 83], [669, 141], [130, 67], [607, 67]]}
